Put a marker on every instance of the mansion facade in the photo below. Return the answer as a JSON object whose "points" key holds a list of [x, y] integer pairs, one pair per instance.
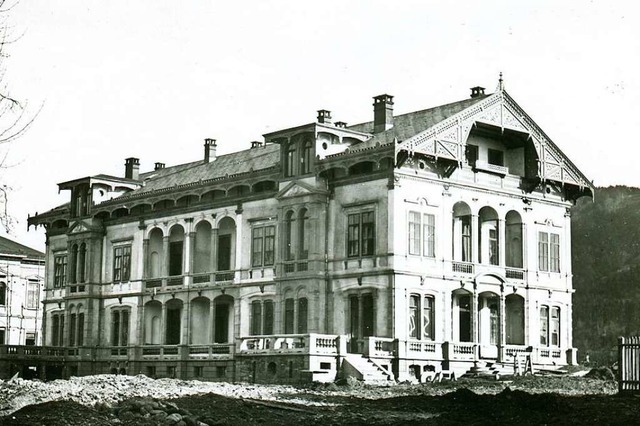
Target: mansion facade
{"points": [[433, 240]]}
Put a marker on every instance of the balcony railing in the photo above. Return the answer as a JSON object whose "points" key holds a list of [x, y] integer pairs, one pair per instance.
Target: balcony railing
{"points": [[462, 267], [320, 344], [514, 273], [292, 266], [492, 168]]}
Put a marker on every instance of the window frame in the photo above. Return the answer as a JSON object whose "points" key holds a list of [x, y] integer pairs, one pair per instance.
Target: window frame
{"points": [[122, 263], [33, 290], [549, 252], [550, 325], [60, 266], [266, 242], [361, 243], [421, 233]]}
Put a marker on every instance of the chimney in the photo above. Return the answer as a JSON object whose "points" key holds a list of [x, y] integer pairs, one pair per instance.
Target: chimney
{"points": [[256, 144], [477, 91], [382, 113], [131, 168], [324, 116], [341, 124], [158, 166], [209, 150]]}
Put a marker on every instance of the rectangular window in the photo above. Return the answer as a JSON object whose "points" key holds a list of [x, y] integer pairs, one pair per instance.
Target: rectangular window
{"points": [[115, 328], [30, 339], [121, 263], [543, 251], [257, 243], [361, 234], [55, 329], [198, 371], [554, 258], [548, 252], [472, 154], [263, 246], [414, 233], [429, 235], [496, 157], [288, 316], [32, 295], [60, 271], [493, 246], [368, 315]]}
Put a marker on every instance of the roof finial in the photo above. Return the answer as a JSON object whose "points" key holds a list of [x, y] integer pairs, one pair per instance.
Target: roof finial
{"points": [[500, 83]]}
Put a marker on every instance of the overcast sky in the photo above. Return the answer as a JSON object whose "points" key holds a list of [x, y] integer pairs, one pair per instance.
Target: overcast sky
{"points": [[151, 79]]}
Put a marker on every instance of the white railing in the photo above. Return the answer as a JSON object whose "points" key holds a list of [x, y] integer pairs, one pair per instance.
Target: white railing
{"points": [[493, 168]]}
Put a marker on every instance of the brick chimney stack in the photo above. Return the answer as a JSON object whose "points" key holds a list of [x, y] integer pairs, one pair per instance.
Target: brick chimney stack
{"points": [[324, 116], [158, 166], [477, 91], [209, 150], [382, 113], [132, 168]]}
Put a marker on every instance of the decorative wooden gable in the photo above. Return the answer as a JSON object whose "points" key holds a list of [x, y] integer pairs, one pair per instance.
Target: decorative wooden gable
{"points": [[447, 139]]}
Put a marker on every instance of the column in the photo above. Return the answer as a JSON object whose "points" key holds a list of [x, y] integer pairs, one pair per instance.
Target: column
{"points": [[474, 319], [186, 323], [163, 322], [165, 254], [238, 259], [503, 331], [475, 239], [212, 321], [139, 338], [502, 242], [145, 258], [214, 251], [191, 256]]}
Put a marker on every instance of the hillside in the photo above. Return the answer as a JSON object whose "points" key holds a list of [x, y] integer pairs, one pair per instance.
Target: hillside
{"points": [[606, 271]]}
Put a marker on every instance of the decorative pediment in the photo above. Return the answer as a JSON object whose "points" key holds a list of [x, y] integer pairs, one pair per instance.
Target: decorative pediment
{"points": [[447, 139], [298, 189], [80, 226]]}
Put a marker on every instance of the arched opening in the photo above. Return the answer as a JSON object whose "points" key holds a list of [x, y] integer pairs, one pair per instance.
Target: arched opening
{"points": [[462, 233], [156, 253], [226, 244], [176, 250], [152, 320], [488, 236], [288, 236], [211, 196], [304, 234], [82, 262], [173, 322], [200, 321], [202, 244], [187, 200], [362, 168], [514, 319], [462, 315], [163, 205], [120, 212], [334, 173], [265, 186], [73, 264], [514, 243], [141, 209], [488, 324], [223, 319], [306, 156], [238, 191], [386, 163]]}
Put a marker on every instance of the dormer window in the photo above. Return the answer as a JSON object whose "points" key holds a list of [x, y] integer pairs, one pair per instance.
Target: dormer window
{"points": [[472, 155]]}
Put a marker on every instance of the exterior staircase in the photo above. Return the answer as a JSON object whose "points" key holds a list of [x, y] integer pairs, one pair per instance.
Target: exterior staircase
{"points": [[490, 369], [362, 368]]}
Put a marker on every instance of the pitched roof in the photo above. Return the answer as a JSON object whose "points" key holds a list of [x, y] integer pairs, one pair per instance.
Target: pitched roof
{"points": [[410, 124], [11, 247], [249, 160]]}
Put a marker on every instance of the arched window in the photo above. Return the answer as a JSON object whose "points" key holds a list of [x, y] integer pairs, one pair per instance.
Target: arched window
{"points": [[462, 241], [306, 158], [202, 255], [303, 305], [176, 250], [155, 254], [120, 326], [290, 160], [488, 236], [288, 236], [3, 293], [303, 234], [82, 257], [514, 240], [74, 263]]}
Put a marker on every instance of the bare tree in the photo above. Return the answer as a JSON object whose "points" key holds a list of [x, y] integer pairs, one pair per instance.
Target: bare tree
{"points": [[14, 118]]}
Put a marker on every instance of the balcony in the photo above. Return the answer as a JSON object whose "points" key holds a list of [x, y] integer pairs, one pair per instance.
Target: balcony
{"points": [[462, 267], [207, 278], [313, 344]]}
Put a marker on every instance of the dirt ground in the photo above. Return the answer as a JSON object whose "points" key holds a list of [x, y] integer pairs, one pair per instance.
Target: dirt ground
{"points": [[522, 401]]}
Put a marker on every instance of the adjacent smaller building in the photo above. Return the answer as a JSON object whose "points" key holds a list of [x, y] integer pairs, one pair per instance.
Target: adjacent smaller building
{"points": [[21, 287]]}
